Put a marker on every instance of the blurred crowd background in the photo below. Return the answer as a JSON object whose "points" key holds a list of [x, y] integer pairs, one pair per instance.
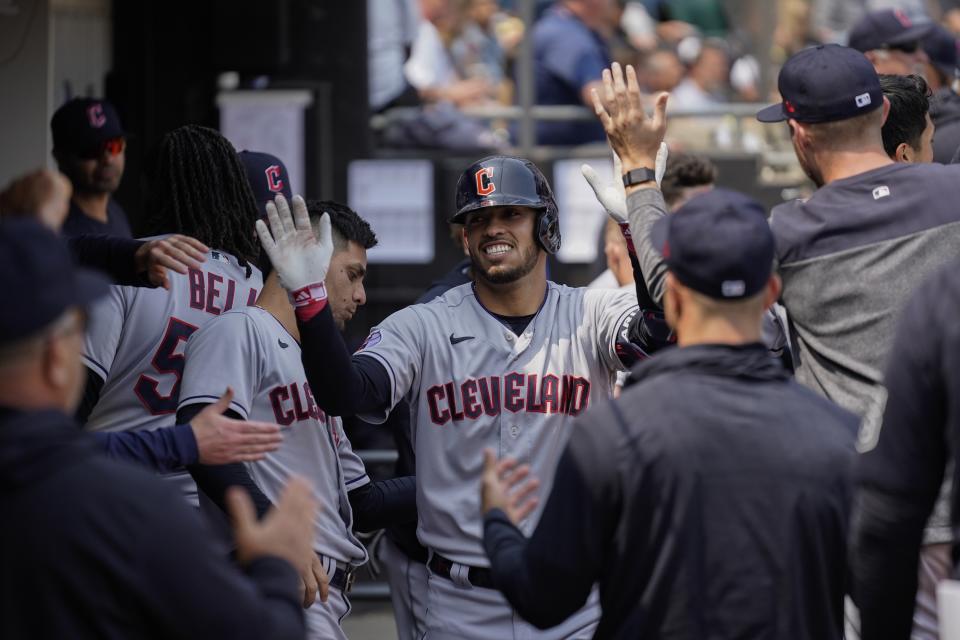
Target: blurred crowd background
{"points": [[381, 103]]}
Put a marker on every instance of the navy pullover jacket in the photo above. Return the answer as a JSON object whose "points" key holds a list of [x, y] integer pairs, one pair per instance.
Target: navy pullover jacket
{"points": [[91, 548], [709, 501]]}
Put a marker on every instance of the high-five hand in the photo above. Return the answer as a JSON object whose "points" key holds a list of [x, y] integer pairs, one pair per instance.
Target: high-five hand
{"points": [[300, 258], [633, 136]]}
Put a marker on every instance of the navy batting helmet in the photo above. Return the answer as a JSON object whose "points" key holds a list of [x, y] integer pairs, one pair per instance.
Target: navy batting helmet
{"points": [[498, 181]]}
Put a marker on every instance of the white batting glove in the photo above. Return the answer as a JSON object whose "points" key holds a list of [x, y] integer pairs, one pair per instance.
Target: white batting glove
{"points": [[613, 197], [300, 258]]}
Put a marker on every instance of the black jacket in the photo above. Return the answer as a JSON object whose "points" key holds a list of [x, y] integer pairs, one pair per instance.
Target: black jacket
{"points": [[710, 501], [90, 548], [900, 474]]}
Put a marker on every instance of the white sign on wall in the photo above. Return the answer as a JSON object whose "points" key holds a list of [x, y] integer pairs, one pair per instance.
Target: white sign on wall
{"points": [[581, 217], [396, 198], [270, 121]]}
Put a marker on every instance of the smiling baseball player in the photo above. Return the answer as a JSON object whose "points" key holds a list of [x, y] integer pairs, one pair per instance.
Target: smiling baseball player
{"points": [[506, 363]]}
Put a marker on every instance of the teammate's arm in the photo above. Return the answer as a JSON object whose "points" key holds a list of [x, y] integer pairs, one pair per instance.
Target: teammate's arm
{"points": [[378, 505], [899, 478], [637, 141], [214, 480], [342, 386], [162, 450], [548, 577], [136, 263]]}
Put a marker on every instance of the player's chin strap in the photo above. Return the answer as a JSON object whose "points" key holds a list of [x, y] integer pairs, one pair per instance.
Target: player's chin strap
{"points": [[308, 301]]}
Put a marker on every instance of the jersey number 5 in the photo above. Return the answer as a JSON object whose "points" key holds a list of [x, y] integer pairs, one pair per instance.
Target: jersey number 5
{"points": [[166, 360]]}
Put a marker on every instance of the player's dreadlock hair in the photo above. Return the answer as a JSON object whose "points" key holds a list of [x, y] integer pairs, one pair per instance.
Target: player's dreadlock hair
{"points": [[198, 187], [347, 225]]}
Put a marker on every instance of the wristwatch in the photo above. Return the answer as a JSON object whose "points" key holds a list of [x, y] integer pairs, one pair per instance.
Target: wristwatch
{"points": [[638, 176]]}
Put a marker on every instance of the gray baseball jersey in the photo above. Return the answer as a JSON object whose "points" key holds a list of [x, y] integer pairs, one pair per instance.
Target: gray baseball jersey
{"points": [[135, 339], [472, 383], [250, 351]]}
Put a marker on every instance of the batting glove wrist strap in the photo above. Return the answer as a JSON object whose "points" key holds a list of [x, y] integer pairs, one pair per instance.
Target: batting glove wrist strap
{"points": [[308, 301], [625, 229]]}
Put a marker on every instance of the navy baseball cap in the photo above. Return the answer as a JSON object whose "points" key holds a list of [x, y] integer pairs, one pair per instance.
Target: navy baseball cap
{"points": [[37, 270], [267, 176], [886, 29], [82, 125], [719, 244], [825, 83], [941, 48]]}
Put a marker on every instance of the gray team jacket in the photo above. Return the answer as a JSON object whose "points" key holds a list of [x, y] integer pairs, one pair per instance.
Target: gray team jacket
{"points": [[849, 257]]}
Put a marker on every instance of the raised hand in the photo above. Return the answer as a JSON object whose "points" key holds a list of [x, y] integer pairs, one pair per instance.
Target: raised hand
{"points": [[300, 258], [633, 136]]}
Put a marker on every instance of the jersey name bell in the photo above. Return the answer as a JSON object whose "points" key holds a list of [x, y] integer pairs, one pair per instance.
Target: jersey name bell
{"points": [[136, 336]]}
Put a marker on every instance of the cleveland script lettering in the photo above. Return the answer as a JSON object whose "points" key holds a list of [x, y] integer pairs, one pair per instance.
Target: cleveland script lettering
{"points": [[474, 397]]}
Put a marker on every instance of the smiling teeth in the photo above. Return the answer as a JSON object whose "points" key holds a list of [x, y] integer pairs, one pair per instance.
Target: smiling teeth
{"points": [[497, 249]]}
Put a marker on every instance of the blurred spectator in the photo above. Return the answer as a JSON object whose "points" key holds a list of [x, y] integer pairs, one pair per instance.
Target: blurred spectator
{"points": [[661, 71], [88, 145], [831, 20], [638, 25], [431, 69], [745, 79], [707, 80], [707, 16], [908, 130], [569, 55], [391, 28], [619, 41], [795, 29], [941, 48], [891, 41], [475, 50]]}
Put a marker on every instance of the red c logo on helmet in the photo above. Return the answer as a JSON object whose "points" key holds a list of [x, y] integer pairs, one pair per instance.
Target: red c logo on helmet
{"points": [[484, 179], [274, 183]]}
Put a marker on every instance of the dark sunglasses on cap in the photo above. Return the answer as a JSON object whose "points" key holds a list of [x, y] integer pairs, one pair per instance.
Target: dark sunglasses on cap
{"points": [[112, 147], [905, 47]]}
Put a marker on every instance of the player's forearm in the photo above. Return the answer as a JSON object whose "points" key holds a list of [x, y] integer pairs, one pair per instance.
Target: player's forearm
{"points": [[379, 505], [339, 385], [644, 208], [114, 256], [214, 480], [886, 537], [161, 450], [540, 603], [90, 397]]}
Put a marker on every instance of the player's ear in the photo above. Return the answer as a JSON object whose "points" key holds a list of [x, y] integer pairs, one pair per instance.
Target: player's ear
{"points": [[904, 153], [772, 291]]}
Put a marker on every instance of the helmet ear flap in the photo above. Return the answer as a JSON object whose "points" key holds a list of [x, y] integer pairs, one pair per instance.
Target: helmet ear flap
{"points": [[548, 230]]}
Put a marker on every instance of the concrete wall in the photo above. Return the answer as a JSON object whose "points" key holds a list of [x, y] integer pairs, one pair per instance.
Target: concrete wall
{"points": [[50, 50], [25, 88]]}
